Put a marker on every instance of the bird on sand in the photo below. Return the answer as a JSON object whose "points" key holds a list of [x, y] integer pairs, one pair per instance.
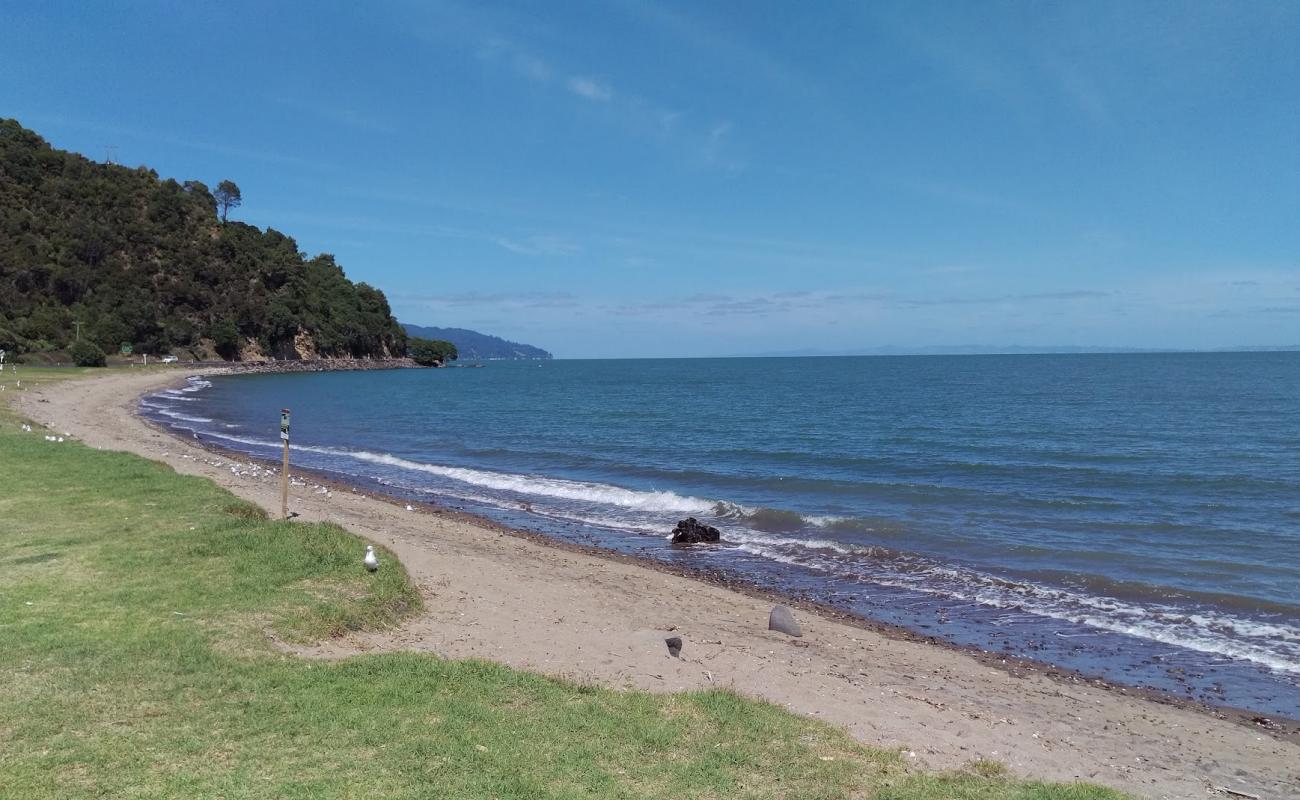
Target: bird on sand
{"points": [[371, 561]]}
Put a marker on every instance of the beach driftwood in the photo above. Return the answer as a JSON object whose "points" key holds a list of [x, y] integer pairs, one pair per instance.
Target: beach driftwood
{"points": [[692, 531], [782, 619]]}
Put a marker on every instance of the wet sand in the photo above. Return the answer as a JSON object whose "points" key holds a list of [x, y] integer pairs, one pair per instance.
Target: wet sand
{"points": [[588, 617]]}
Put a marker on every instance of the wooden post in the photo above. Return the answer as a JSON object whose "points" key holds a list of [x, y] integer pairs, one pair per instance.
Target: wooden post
{"points": [[284, 471]]}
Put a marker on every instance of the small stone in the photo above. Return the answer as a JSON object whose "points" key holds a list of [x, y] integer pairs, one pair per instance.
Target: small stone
{"points": [[674, 646], [782, 619]]}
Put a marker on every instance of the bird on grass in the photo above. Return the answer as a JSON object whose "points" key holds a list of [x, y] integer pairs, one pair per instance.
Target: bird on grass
{"points": [[371, 561]]}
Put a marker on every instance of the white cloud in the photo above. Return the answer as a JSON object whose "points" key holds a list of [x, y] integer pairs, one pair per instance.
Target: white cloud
{"points": [[590, 88], [705, 146], [540, 246]]}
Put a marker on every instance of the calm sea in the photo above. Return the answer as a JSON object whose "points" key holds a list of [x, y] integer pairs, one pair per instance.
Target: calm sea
{"points": [[1135, 517]]}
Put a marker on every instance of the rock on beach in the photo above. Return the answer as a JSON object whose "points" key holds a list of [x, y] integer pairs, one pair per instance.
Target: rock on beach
{"points": [[692, 531], [782, 619]]}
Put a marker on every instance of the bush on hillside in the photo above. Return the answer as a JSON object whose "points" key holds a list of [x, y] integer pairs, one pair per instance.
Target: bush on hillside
{"points": [[429, 352], [86, 354]]}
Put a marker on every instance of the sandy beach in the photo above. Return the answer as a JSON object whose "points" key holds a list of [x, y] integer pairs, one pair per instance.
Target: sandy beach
{"points": [[581, 616]]}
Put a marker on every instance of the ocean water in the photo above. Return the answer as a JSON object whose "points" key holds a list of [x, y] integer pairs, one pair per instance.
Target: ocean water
{"points": [[1135, 517]]}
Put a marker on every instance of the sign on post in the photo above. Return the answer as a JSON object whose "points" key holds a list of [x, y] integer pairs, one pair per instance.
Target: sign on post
{"points": [[284, 472]]}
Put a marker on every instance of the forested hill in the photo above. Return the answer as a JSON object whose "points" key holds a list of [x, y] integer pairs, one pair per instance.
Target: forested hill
{"points": [[143, 261], [472, 344]]}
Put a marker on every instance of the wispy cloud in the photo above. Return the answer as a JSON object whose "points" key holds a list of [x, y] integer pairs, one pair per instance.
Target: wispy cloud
{"points": [[1043, 66], [337, 113], [956, 194], [540, 246], [752, 304], [505, 301], [744, 58], [1074, 294], [590, 88], [532, 67], [153, 137], [1099, 317], [830, 304], [705, 143], [524, 245]]}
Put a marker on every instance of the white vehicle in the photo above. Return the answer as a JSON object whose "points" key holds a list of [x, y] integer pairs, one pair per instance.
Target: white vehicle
{"points": [[169, 359]]}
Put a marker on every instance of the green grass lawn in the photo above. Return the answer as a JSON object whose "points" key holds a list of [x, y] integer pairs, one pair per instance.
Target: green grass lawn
{"points": [[137, 615]]}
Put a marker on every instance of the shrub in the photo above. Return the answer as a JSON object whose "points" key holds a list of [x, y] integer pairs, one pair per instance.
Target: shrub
{"points": [[86, 354], [428, 352]]}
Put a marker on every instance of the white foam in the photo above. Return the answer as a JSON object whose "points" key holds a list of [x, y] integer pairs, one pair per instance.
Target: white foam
{"points": [[753, 537], [245, 440], [177, 415], [1271, 644], [597, 493], [527, 485]]}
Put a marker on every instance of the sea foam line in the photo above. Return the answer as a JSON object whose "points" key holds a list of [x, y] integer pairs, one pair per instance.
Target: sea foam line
{"points": [[597, 493], [1267, 644], [546, 487]]}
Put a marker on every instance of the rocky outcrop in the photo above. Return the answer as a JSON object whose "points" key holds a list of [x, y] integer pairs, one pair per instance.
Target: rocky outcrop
{"points": [[250, 351], [692, 531], [305, 345]]}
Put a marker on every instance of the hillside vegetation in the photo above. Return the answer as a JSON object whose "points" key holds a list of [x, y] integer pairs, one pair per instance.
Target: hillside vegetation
{"points": [[147, 262]]}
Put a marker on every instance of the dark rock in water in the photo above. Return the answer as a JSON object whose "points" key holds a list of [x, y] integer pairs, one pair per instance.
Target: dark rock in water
{"points": [[692, 531], [674, 646], [782, 619]]}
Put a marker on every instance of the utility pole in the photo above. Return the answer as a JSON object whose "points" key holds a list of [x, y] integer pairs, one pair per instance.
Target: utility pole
{"points": [[78, 324], [110, 154]]}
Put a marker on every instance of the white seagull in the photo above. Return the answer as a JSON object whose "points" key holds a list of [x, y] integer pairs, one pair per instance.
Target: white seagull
{"points": [[371, 562], [410, 507]]}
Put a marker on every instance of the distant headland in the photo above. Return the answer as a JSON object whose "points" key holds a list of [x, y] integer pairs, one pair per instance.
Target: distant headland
{"points": [[474, 345]]}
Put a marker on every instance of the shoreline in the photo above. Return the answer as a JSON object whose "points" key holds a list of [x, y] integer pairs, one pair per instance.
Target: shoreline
{"points": [[1281, 728], [958, 714]]}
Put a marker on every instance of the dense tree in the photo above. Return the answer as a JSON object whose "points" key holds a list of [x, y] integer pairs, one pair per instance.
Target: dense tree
{"points": [[227, 196], [86, 354], [428, 352], [146, 262]]}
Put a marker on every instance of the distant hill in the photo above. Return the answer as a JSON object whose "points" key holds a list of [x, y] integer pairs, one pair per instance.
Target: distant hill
{"points": [[472, 344], [118, 256]]}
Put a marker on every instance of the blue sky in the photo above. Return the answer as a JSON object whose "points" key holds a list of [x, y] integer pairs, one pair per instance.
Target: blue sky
{"points": [[667, 178]]}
